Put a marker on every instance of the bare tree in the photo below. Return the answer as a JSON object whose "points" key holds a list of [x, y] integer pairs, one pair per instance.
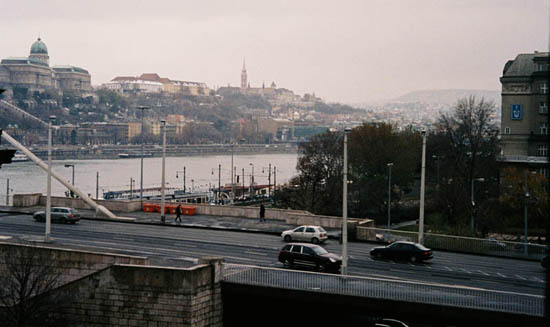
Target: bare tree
{"points": [[27, 276]]}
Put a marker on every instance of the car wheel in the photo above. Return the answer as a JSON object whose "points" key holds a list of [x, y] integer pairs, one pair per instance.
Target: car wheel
{"points": [[414, 259], [315, 240], [288, 238], [288, 264]]}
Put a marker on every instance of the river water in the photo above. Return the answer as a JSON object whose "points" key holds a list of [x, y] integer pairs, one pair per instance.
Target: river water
{"points": [[201, 173]]}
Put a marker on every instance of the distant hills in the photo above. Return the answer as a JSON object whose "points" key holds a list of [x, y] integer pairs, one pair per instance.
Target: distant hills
{"points": [[447, 97]]}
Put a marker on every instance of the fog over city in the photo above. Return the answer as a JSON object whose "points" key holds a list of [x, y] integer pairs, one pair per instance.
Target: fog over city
{"points": [[350, 51]]}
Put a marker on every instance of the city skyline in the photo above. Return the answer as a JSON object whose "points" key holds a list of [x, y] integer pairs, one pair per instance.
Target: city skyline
{"points": [[357, 51]]}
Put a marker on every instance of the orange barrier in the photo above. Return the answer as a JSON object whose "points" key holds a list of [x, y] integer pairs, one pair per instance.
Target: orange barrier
{"points": [[149, 207], [188, 210], [170, 208]]}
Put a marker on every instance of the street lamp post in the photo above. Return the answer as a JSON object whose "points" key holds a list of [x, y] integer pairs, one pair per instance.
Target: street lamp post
{"points": [[232, 174], [177, 176], [72, 181], [527, 198], [422, 182], [472, 223], [162, 199], [344, 269], [131, 187], [49, 183], [142, 108], [219, 183], [252, 180], [389, 194]]}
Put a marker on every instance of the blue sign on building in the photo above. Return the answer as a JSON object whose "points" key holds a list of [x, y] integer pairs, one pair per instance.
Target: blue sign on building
{"points": [[517, 112]]}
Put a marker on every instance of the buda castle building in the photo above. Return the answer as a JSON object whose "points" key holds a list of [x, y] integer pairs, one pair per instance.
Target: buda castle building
{"points": [[34, 74]]}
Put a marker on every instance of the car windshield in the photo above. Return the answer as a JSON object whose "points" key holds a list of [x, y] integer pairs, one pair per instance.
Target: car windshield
{"points": [[319, 250]]}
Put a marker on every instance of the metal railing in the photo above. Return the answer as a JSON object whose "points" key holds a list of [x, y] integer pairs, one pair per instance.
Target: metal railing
{"points": [[427, 293], [459, 243]]}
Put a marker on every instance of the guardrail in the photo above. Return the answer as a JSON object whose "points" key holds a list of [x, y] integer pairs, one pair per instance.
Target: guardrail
{"points": [[463, 297], [460, 244]]}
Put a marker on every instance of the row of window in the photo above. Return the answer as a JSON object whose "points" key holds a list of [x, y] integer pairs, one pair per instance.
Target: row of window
{"points": [[542, 150], [543, 129]]}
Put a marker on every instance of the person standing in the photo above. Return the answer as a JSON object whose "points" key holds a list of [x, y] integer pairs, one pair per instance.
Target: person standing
{"points": [[262, 212], [178, 213]]}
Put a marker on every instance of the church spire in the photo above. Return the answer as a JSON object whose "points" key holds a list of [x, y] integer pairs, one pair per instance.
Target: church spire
{"points": [[243, 76]]}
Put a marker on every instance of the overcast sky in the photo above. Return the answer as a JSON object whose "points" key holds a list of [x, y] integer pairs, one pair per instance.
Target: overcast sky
{"points": [[347, 50]]}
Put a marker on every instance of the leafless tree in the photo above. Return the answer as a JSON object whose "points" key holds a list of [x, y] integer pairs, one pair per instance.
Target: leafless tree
{"points": [[27, 275]]}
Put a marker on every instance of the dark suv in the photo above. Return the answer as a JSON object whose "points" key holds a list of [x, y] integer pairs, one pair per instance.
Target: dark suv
{"points": [[309, 255]]}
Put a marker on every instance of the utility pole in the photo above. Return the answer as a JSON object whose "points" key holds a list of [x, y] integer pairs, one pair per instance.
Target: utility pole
{"points": [[97, 185], [49, 183], [219, 183], [345, 206], [163, 200], [389, 195], [8, 192], [422, 187], [527, 197], [243, 183], [142, 108], [232, 173], [269, 182]]}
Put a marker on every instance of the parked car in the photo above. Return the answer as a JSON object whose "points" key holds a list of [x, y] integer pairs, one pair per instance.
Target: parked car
{"points": [[313, 234], [59, 214], [309, 255], [403, 250]]}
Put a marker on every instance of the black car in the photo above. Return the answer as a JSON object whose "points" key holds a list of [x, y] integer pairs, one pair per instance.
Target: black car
{"points": [[309, 255], [402, 250]]}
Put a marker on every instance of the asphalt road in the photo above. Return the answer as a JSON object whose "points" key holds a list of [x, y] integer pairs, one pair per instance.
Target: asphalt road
{"points": [[180, 246]]}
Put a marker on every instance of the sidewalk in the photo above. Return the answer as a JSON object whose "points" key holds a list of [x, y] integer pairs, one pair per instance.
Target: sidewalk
{"points": [[241, 224]]}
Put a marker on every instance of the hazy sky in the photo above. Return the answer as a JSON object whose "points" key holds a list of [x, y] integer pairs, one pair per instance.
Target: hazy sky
{"points": [[344, 50]]}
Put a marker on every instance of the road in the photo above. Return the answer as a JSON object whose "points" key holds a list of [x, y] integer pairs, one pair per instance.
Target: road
{"points": [[179, 246]]}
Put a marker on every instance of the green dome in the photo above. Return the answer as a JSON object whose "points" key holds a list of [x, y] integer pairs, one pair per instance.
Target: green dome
{"points": [[39, 47]]}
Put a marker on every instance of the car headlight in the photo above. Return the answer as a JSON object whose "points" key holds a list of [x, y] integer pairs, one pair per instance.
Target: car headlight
{"points": [[332, 260]]}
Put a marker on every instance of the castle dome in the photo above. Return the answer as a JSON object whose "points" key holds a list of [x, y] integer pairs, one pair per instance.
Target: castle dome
{"points": [[39, 47]]}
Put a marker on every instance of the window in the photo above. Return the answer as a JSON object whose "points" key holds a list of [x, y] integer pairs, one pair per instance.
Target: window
{"points": [[543, 88], [542, 150], [506, 130], [541, 67], [308, 251], [543, 171], [544, 128], [310, 230], [299, 230], [297, 249], [543, 109]]}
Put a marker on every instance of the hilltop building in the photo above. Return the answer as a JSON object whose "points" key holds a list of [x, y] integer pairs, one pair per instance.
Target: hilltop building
{"points": [[524, 123], [33, 74], [153, 83]]}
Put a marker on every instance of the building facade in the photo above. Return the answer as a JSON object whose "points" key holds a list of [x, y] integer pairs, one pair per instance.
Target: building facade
{"points": [[153, 83], [525, 121], [34, 74]]}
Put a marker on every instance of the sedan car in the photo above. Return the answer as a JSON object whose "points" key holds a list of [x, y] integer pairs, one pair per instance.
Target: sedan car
{"points": [[309, 255], [403, 250], [59, 214], [313, 234]]}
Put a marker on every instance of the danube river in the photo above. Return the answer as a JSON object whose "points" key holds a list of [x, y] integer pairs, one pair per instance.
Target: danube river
{"points": [[201, 173]]}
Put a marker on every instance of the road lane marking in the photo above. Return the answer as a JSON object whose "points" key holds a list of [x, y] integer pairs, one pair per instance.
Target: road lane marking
{"points": [[245, 259], [535, 279], [501, 275], [521, 277], [449, 269], [482, 272], [256, 253]]}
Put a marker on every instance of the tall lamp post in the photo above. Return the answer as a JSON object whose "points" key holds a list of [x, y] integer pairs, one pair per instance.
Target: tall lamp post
{"points": [[232, 174], [142, 108], [49, 183], [162, 199], [422, 182], [527, 198], [472, 223], [72, 181], [177, 176], [252, 180], [344, 269], [389, 194]]}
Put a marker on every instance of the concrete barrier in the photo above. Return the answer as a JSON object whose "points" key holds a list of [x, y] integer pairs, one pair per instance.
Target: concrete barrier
{"points": [[26, 200]]}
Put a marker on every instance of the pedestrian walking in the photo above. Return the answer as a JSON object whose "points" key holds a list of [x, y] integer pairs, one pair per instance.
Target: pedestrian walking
{"points": [[178, 213], [262, 212]]}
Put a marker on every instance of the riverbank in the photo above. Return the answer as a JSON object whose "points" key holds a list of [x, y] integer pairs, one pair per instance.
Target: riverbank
{"points": [[71, 152]]}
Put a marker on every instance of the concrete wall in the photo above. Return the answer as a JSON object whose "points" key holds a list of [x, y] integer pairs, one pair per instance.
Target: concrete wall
{"points": [[126, 295], [75, 264], [37, 199]]}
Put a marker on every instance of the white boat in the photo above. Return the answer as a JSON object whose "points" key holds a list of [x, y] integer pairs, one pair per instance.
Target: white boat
{"points": [[19, 157]]}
